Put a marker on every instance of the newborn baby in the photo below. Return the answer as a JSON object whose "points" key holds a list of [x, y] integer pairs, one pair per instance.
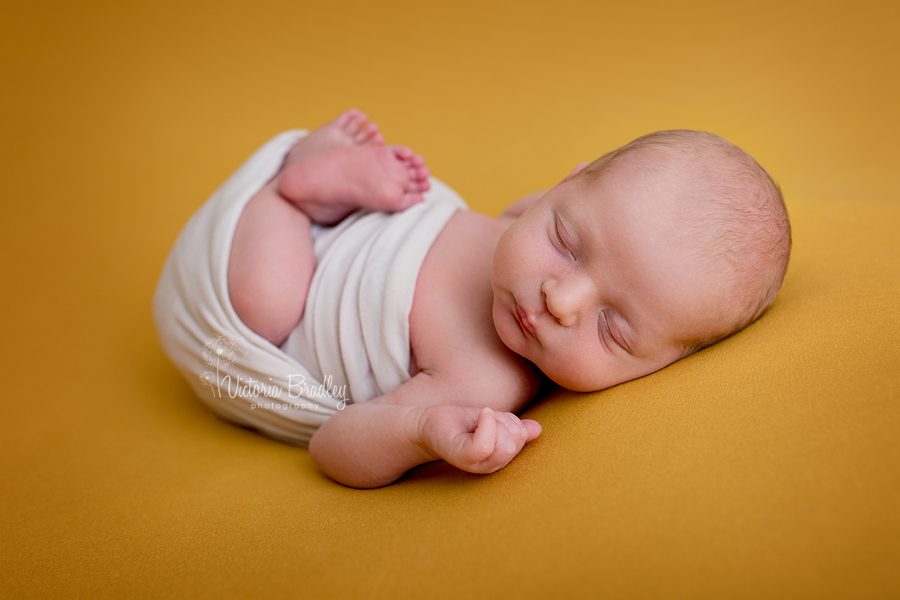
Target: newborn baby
{"points": [[634, 261]]}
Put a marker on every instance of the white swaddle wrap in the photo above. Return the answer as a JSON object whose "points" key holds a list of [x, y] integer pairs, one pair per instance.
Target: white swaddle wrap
{"points": [[353, 341]]}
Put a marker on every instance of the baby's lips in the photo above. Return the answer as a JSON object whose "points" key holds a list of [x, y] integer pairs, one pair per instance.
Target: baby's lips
{"points": [[525, 322]]}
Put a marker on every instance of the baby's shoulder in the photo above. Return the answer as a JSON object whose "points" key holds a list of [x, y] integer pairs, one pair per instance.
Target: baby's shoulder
{"points": [[452, 332]]}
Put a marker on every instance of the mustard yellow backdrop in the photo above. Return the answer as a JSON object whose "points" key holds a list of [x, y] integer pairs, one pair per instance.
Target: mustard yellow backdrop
{"points": [[767, 466]]}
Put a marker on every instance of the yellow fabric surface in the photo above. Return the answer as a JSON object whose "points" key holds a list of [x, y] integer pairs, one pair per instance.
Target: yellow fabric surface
{"points": [[766, 466]]}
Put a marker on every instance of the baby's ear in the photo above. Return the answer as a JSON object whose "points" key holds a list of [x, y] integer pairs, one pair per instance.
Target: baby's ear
{"points": [[575, 171]]}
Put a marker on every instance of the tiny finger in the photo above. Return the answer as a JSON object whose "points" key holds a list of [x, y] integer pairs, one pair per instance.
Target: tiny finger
{"points": [[485, 435]]}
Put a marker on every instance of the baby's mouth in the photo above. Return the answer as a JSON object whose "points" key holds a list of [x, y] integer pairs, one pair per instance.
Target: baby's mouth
{"points": [[524, 322]]}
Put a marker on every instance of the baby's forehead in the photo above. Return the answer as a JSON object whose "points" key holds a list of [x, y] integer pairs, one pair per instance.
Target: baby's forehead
{"points": [[692, 153]]}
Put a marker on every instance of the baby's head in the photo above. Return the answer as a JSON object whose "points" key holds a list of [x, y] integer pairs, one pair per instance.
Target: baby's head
{"points": [[662, 247]]}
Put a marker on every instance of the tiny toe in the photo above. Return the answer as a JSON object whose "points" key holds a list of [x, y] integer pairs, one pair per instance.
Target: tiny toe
{"points": [[423, 173], [419, 185], [356, 125], [345, 118], [402, 152], [415, 173], [367, 133]]}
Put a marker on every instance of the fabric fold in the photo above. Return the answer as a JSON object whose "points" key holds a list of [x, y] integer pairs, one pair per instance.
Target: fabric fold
{"points": [[352, 344]]}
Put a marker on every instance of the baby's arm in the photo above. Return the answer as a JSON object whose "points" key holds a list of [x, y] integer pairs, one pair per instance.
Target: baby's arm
{"points": [[374, 443]]}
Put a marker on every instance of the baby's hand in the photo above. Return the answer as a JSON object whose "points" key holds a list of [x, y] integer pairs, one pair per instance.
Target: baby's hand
{"points": [[477, 441]]}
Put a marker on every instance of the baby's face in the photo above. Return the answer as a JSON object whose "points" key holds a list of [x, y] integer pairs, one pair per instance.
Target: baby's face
{"points": [[592, 285]]}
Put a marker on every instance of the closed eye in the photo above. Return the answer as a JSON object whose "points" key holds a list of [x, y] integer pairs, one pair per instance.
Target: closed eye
{"points": [[559, 238], [603, 330], [604, 327]]}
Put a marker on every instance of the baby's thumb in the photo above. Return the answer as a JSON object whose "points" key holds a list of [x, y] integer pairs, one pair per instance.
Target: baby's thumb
{"points": [[534, 429], [485, 436]]}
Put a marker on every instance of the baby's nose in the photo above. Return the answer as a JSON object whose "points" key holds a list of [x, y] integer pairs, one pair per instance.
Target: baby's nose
{"points": [[565, 300]]}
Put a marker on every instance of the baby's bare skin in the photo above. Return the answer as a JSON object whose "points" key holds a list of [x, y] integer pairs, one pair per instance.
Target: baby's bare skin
{"points": [[466, 387], [462, 372], [600, 280], [451, 327], [336, 169]]}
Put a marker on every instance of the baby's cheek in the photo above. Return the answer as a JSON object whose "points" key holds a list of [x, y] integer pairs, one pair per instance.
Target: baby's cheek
{"points": [[501, 323], [501, 266], [581, 370], [512, 251]]}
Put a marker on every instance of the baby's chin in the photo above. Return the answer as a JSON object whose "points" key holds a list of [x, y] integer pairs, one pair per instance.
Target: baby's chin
{"points": [[571, 384], [497, 330]]}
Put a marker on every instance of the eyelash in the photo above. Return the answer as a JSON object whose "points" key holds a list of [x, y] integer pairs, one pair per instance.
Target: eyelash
{"points": [[559, 238], [609, 332]]}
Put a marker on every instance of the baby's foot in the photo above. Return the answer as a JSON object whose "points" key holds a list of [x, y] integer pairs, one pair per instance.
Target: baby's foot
{"points": [[331, 185], [350, 129]]}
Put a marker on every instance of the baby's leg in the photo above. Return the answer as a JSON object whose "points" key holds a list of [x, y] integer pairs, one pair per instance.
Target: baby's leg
{"points": [[271, 265], [336, 169]]}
